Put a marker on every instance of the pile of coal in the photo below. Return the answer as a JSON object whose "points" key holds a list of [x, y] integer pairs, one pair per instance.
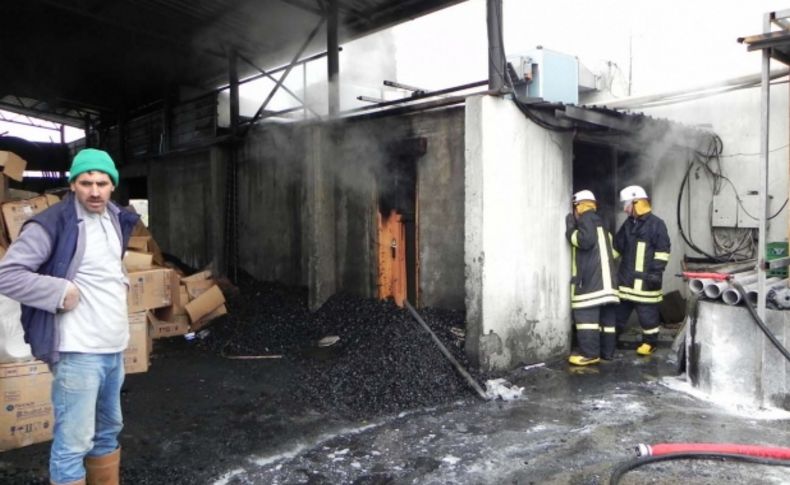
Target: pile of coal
{"points": [[355, 356]]}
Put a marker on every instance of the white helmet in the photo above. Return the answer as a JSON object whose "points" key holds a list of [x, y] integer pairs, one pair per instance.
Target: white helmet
{"points": [[583, 195], [632, 192]]}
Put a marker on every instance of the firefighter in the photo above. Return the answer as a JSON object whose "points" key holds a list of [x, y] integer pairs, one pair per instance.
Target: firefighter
{"points": [[593, 282], [642, 243]]}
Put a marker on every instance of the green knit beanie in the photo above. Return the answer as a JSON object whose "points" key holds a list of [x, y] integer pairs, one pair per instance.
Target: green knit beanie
{"points": [[90, 159]]}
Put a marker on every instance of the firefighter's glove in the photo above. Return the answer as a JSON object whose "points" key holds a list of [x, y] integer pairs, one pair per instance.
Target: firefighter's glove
{"points": [[653, 278], [570, 221]]}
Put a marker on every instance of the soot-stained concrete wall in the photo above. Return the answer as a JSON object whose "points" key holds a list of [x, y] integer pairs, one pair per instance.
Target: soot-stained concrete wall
{"points": [[270, 203], [362, 153], [186, 206], [308, 202]]}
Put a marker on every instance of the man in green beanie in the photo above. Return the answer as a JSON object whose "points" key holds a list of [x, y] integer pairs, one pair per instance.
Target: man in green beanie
{"points": [[66, 270]]}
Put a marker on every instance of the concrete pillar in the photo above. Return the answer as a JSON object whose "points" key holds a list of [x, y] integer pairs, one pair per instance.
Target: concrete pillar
{"points": [[731, 360], [318, 238], [517, 192]]}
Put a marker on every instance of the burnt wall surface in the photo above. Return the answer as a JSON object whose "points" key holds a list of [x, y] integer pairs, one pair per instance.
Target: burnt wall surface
{"points": [[186, 206], [308, 197], [440, 194], [269, 202], [368, 155]]}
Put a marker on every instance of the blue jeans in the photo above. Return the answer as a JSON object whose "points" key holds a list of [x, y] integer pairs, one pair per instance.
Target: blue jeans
{"points": [[86, 398]]}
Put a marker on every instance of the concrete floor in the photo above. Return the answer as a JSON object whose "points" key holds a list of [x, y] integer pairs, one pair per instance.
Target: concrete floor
{"points": [[196, 418]]}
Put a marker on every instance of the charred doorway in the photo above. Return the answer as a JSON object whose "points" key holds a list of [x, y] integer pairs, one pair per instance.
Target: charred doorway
{"points": [[595, 168], [398, 260]]}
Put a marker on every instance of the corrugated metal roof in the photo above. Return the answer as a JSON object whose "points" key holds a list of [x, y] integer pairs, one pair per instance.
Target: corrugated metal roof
{"points": [[119, 55]]}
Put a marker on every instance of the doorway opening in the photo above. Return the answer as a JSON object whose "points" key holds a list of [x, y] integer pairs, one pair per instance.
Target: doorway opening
{"points": [[398, 255]]}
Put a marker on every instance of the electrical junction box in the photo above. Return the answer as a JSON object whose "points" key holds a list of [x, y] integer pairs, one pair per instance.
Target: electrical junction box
{"points": [[728, 213], [546, 74]]}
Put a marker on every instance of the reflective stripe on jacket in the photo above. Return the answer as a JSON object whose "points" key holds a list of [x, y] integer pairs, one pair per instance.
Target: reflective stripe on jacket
{"points": [[643, 244], [593, 281]]}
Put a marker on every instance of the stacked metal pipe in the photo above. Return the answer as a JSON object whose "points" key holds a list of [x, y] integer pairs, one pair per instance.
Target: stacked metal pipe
{"points": [[777, 289]]}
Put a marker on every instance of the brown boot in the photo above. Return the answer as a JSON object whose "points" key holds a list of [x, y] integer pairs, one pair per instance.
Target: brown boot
{"points": [[105, 469]]}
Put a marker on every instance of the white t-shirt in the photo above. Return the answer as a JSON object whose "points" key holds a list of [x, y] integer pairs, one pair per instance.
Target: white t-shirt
{"points": [[99, 323]]}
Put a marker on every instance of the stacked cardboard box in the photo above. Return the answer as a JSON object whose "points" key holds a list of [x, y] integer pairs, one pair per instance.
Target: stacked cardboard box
{"points": [[175, 305], [25, 406], [11, 167]]}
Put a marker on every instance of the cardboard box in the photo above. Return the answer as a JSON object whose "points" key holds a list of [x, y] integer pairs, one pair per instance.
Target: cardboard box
{"points": [[135, 357], [26, 415], [149, 289], [162, 329], [52, 199], [12, 165], [153, 247], [16, 213], [218, 312], [179, 298], [135, 261], [139, 243], [196, 288], [4, 187], [204, 304], [202, 275]]}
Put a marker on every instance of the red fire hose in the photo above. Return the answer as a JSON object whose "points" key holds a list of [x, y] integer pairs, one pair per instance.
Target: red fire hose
{"points": [[713, 276], [773, 452]]}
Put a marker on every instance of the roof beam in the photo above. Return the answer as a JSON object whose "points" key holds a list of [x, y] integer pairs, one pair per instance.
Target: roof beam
{"points": [[125, 26], [600, 119]]}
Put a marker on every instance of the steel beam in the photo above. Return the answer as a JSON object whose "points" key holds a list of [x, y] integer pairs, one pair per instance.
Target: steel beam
{"points": [[394, 84], [419, 96], [496, 48], [765, 107], [369, 99], [284, 75], [333, 60], [285, 88], [233, 80]]}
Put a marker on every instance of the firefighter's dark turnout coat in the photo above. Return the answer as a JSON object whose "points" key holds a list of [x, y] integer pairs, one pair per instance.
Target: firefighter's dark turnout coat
{"points": [[643, 246], [593, 281]]}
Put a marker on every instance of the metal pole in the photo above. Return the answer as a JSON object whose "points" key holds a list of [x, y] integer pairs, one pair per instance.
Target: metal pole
{"points": [[285, 88], [496, 49], [765, 126], [233, 81], [304, 89], [472, 382], [333, 59], [307, 41]]}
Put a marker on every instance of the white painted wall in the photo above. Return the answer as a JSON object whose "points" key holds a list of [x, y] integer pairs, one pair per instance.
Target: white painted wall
{"points": [[735, 117], [518, 184]]}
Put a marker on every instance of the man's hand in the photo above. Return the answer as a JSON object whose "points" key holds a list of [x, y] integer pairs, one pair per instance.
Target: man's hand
{"points": [[72, 297]]}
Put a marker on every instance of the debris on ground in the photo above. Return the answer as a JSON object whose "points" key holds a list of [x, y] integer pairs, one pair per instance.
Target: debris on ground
{"points": [[504, 390]]}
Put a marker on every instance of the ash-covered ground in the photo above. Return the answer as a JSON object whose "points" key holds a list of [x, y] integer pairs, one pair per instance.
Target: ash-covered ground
{"points": [[383, 406], [259, 375]]}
